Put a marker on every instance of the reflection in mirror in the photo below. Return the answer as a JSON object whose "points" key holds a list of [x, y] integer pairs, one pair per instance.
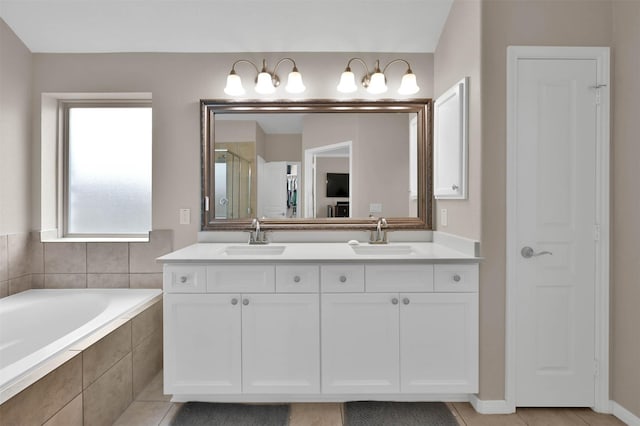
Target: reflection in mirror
{"points": [[309, 165]]}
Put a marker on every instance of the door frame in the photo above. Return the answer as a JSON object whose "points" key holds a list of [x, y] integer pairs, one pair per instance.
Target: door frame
{"points": [[601, 227]]}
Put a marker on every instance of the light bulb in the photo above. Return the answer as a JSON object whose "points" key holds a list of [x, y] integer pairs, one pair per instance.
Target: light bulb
{"points": [[234, 85], [377, 83], [264, 85], [408, 86], [294, 82], [347, 82]]}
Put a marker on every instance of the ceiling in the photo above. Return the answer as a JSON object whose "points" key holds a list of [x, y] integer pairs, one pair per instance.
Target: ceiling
{"points": [[85, 26]]}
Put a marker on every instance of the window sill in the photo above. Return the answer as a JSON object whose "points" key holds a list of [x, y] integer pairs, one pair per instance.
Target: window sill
{"points": [[96, 240], [51, 236]]}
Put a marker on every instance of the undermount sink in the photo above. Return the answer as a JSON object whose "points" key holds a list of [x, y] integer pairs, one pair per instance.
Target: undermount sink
{"points": [[256, 250], [383, 249]]}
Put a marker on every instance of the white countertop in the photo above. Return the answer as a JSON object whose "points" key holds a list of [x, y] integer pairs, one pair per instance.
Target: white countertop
{"points": [[422, 252]]}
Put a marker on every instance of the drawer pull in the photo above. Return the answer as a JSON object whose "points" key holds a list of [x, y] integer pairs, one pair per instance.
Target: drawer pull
{"points": [[183, 279], [343, 278], [245, 302], [456, 278], [234, 301], [296, 279], [394, 301], [406, 301]]}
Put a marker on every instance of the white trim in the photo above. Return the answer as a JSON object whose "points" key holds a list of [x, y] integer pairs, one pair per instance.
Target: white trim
{"points": [[625, 415], [314, 397], [601, 55], [499, 406]]}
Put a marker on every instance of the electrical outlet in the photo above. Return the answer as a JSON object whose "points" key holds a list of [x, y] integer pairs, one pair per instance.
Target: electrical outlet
{"points": [[185, 216], [444, 220]]}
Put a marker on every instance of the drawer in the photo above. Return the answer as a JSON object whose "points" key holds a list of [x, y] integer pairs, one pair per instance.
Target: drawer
{"points": [[184, 278], [241, 279], [342, 278], [456, 278], [399, 277], [297, 278]]}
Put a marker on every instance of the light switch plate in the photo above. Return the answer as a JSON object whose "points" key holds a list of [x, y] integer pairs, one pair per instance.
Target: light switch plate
{"points": [[375, 208], [444, 220], [185, 216]]}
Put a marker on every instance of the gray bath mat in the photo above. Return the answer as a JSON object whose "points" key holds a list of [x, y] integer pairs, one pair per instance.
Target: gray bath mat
{"points": [[215, 414], [372, 413]]}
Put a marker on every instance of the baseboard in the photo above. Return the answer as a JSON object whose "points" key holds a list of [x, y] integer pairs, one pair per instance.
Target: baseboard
{"points": [[625, 415], [498, 406]]}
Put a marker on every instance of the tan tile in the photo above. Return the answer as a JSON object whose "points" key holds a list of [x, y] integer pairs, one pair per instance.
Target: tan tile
{"points": [[37, 280], [143, 414], [166, 421], [65, 258], [21, 284], [472, 418], [146, 322], [4, 258], [65, 280], [142, 256], [36, 253], [549, 417], [327, 414], [147, 361], [154, 390], [4, 288], [18, 254], [107, 280], [108, 258], [455, 413], [70, 415], [43, 399], [109, 396], [597, 419], [105, 353], [145, 280]]}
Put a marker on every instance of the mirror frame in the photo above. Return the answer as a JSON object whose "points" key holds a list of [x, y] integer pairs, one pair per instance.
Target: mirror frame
{"points": [[424, 109]]}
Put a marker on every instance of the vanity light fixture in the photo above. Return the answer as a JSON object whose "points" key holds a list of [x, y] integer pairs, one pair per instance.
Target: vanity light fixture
{"points": [[376, 82], [266, 81]]}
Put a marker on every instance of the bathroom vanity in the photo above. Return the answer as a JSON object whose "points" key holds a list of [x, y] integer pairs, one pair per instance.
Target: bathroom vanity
{"points": [[320, 322]]}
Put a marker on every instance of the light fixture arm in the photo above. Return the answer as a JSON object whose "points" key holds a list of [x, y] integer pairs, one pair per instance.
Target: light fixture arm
{"points": [[367, 76], [233, 67], [295, 68], [384, 70]]}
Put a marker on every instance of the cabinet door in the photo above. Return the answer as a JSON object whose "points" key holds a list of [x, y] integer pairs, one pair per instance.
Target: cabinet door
{"points": [[280, 343], [439, 342], [202, 343], [360, 343]]}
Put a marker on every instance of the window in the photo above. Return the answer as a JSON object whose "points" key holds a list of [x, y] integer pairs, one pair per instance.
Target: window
{"points": [[107, 169]]}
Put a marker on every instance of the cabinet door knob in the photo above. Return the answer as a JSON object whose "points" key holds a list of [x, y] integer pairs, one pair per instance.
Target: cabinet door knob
{"points": [[454, 187], [234, 301], [183, 279], [343, 278], [394, 301], [456, 278], [296, 279], [406, 301], [245, 302]]}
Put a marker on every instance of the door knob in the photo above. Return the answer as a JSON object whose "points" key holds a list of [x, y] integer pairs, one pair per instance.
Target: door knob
{"points": [[343, 279], [296, 279], [234, 301], [394, 301], [527, 252], [245, 302]]}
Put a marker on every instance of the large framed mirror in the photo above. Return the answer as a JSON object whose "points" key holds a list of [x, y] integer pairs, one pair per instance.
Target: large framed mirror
{"points": [[316, 164]]}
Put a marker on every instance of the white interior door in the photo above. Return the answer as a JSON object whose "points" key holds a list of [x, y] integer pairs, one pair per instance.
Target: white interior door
{"points": [[273, 187], [555, 221]]}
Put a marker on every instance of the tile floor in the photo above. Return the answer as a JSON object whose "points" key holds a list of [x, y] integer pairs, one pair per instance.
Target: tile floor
{"points": [[152, 408]]}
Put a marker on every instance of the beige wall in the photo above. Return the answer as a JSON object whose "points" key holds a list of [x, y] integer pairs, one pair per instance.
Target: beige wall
{"points": [[283, 147], [177, 83], [15, 133], [458, 56], [625, 247]]}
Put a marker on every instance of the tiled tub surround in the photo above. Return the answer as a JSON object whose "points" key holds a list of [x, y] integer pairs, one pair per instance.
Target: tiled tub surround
{"points": [[27, 263], [94, 380]]}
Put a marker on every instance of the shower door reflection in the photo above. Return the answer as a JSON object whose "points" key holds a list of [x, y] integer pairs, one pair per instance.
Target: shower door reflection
{"points": [[233, 185]]}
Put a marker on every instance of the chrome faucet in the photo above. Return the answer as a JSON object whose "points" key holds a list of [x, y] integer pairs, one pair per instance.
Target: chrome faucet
{"points": [[257, 236], [380, 235]]}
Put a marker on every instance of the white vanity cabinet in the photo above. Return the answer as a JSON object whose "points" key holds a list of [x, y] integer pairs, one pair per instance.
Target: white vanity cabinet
{"points": [[257, 341], [381, 340], [278, 331]]}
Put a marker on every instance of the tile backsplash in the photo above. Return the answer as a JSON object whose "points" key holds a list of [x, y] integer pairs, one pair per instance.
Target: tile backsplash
{"points": [[27, 263]]}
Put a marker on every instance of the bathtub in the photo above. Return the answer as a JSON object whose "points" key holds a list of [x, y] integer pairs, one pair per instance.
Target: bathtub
{"points": [[36, 325]]}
